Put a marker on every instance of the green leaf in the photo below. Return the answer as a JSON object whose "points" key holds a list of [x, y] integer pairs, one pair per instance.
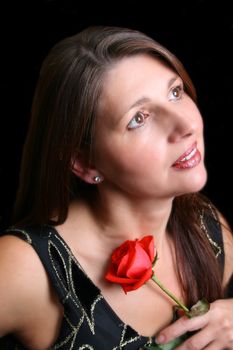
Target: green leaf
{"points": [[200, 308]]}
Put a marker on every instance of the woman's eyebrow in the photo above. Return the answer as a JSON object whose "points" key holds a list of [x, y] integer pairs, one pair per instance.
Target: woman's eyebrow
{"points": [[144, 99], [172, 80], [140, 102]]}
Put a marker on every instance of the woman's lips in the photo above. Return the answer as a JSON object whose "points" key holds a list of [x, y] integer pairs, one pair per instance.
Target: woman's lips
{"points": [[188, 159]]}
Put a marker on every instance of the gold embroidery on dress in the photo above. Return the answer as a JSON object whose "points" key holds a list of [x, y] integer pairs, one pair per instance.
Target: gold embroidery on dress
{"points": [[90, 321], [73, 333], [75, 328], [125, 342], [70, 284], [13, 229], [50, 243], [216, 247]]}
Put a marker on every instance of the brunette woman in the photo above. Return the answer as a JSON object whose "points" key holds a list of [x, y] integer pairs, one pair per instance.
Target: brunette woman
{"points": [[114, 152]]}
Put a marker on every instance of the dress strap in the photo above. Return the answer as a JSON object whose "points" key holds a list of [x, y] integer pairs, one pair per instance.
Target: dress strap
{"points": [[210, 225]]}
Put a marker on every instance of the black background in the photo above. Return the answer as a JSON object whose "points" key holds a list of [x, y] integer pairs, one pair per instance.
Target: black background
{"points": [[200, 33]]}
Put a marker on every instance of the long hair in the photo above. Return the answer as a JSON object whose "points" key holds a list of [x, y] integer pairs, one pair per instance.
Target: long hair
{"points": [[64, 110]]}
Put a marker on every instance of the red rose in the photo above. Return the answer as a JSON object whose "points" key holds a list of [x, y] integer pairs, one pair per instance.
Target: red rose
{"points": [[132, 266], [131, 263]]}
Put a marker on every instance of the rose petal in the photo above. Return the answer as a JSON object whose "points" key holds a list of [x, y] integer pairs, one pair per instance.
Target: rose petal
{"points": [[120, 280], [125, 262], [147, 244], [139, 264], [119, 252], [137, 284]]}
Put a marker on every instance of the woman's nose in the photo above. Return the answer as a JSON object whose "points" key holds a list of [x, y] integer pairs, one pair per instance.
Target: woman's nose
{"points": [[182, 126]]}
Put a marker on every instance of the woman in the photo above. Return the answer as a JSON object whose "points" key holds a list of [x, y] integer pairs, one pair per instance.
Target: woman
{"points": [[114, 152]]}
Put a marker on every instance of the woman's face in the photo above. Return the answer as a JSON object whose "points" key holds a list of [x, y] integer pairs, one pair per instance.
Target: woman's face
{"points": [[149, 133]]}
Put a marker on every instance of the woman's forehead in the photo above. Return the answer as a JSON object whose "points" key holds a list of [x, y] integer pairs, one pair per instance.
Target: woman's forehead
{"points": [[132, 78]]}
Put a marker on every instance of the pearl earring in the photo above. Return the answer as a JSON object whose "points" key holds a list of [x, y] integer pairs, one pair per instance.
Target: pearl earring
{"points": [[97, 178]]}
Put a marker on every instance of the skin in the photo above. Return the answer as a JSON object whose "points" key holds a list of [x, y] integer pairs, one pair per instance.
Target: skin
{"points": [[134, 157]]}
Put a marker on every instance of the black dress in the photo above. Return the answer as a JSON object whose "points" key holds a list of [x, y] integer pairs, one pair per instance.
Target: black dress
{"points": [[89, 323]]}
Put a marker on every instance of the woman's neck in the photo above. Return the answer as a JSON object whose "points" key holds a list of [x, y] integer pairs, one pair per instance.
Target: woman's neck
{"points": [[119, 218]]}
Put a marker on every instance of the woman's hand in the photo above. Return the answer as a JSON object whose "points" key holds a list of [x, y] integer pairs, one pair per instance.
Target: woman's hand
{"points": [[214, 329]]}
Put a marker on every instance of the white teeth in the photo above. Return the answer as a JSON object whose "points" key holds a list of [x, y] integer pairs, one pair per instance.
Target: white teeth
{"points": [[190, 155]]}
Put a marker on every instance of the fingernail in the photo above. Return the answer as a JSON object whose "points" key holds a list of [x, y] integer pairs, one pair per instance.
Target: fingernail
{"points": [[160, 339]]}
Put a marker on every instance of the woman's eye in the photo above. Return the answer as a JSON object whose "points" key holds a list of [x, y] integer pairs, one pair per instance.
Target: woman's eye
{"points": [[137, 121], [176, 93]]}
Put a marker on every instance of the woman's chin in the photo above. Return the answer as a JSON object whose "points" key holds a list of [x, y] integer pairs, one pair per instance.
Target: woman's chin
{"points": [[195, 183]]}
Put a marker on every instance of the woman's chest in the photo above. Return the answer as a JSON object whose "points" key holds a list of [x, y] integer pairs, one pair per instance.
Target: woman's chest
{"points": [[146, 310]]}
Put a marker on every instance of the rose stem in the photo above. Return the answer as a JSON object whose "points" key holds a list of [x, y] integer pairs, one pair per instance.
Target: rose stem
{"points": [[172, 296]]}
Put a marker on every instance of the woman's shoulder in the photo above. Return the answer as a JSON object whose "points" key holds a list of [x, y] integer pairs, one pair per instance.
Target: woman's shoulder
{"points": [[21, 274], [19, 262], [25, 290]]}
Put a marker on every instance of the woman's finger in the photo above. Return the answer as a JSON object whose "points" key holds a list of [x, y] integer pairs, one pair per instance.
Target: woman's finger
{"points": [[181, 326]]}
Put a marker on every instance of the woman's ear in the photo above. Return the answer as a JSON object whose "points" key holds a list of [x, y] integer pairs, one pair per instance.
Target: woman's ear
{"points": [[85, 171]]}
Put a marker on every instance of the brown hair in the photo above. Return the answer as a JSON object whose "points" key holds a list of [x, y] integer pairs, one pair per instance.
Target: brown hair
{"points": [[63, 118]]}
